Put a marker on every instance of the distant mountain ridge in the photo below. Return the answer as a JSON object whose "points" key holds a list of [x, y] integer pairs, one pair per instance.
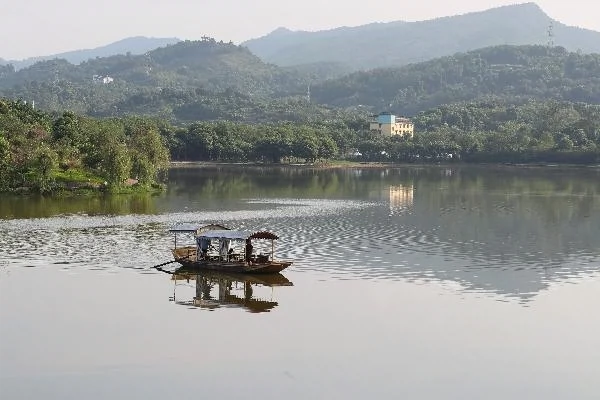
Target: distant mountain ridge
{"points": [[400, 43], [269, 45], [134, 45], [211, 80]]}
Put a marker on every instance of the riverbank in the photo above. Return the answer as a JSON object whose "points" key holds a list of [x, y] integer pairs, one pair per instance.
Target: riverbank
{"points": [[354, 164], [66, 188]]}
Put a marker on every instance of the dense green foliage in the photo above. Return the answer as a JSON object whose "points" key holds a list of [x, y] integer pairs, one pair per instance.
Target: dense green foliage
{"points": [[497, 132], [270, 143], [209, 101], [204, 63], [44, 152], [202, 105], [168, 80], [471, 132], [509, 73], [185, 82], [399, 43], [209, 81]]}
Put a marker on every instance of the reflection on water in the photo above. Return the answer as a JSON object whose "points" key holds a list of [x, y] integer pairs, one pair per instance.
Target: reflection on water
{"points": [[34, 206], [213, 289], [508, 232], [401, 198], [488, 273]]}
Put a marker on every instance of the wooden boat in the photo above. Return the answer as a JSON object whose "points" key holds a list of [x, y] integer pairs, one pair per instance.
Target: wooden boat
{"points": [[221, 249]]}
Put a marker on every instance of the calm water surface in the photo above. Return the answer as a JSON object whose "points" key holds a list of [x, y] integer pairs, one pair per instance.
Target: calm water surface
{"points": [[421, 283]]}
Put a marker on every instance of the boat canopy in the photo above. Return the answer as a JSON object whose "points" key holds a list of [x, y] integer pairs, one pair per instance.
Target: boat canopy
{"points": [[237, 235], [215, 231], [225, 234], [184, 228], [263, 235], [189, 227]]}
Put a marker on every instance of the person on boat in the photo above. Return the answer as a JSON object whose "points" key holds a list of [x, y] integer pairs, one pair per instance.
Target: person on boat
{"points": [[224, 249], [248, 250], [204, 244]]}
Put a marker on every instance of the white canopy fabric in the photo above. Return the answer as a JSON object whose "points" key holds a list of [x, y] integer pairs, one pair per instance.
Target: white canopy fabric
{"points": [[184, 228], [226, 234]]}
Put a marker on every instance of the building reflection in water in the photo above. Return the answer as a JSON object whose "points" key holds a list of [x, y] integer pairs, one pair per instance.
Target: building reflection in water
{"points": [[217, 289], [401, 198]]}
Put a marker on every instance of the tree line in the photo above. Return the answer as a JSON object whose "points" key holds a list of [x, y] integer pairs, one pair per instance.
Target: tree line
{"points": [[493, 131], [41, 150]]}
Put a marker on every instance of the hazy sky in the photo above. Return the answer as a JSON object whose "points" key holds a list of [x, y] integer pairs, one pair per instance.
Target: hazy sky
{"points": [[43, 27]]}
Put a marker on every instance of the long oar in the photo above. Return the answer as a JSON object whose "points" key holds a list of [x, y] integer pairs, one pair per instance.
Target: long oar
{"points": [[165, 263], [171, 262]]}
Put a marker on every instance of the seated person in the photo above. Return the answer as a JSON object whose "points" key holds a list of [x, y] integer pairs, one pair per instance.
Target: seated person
{"points": [[248, 250]]}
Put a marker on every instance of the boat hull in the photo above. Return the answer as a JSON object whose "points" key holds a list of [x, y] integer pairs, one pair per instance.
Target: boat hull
{"points": [[187, 258], [271, 267]]}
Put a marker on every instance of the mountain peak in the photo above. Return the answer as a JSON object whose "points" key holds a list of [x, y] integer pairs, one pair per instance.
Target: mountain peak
{"points": [[530, 8], [281, 31]]}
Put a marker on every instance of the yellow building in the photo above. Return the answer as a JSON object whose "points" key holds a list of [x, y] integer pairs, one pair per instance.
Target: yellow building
{"points": [[389, 125]]}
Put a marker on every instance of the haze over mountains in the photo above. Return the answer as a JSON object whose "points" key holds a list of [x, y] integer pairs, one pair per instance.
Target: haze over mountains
{"points": [[346, 49], [465, 58], [399, 43], [133, 45]]}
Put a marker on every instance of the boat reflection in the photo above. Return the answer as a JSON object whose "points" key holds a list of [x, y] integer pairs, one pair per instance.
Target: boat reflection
{"points": [[215, 289]]}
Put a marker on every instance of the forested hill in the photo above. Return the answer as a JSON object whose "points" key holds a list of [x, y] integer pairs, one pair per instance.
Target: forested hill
{"points": [[399, 43], [510, 73], [207, 80], [170, 82], [206, 63]]}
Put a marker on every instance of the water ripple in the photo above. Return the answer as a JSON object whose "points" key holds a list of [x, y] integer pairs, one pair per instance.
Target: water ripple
{"points": [[345, 239]]}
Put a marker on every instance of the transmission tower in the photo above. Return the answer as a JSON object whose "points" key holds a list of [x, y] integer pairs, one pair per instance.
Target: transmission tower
{"points": [[551, 34]]}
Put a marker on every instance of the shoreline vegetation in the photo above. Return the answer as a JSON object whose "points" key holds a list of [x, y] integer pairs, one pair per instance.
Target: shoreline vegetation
{"points": [[333, 164], [51, 153], [373, 164]]}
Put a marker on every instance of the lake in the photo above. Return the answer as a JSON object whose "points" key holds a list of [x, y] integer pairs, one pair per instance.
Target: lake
{"points": [[409, 282]]}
